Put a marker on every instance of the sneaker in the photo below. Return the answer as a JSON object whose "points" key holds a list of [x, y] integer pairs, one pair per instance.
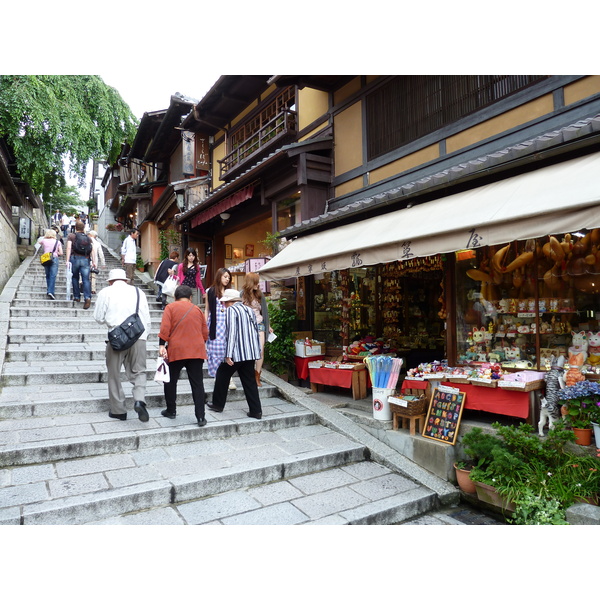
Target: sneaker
{"points": [[166, 413], [232, 386], [201, 422], [51, 296]]}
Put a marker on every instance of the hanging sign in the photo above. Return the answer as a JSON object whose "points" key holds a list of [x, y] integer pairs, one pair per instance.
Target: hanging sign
{"points": [[445, 412]]}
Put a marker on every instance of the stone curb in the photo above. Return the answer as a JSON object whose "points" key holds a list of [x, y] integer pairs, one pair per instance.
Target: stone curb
{"points": [[380, 452]]}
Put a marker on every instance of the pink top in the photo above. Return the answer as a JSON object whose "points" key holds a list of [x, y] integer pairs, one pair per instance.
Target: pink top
{"points": [[47, 245], [181, 277]]}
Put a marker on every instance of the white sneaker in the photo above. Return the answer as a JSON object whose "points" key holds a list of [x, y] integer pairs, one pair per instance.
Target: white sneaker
{"points": [[232, 386]]}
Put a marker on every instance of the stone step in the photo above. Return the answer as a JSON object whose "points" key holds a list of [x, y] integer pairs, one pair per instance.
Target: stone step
{"points": [[68, 399], [64, 461], [385, 498], [68, 322], [72, 309], [34, 440], [64, 352], [75, 371], [95, 333]]}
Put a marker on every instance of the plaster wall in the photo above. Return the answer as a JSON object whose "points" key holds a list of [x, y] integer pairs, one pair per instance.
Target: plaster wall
{"points": [[508, 120], [588, 86], [311, 105], [9, 257], [347, 131]]}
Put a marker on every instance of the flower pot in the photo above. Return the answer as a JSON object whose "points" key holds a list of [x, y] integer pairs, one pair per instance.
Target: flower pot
{"points": [[489, 494], [466, 484], [596, 427], [583, 437]]}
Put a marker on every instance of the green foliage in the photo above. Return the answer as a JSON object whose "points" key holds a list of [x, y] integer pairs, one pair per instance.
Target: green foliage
{"points": [[65, 199], [279, 354], [166, 237], [47, 119], [271, 241], [538, 474], [139, 262], [535, 509]]}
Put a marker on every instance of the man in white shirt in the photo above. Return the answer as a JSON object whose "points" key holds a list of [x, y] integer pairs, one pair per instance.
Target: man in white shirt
{"points": [[129, 254], [65, 224], [113, 305]]}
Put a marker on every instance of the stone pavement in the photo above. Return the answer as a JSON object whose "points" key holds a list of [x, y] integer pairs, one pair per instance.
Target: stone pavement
{"points": [[64, 461]]}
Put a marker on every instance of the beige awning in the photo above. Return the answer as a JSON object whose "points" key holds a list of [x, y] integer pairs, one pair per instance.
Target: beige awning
{"points": [[558, 199]]}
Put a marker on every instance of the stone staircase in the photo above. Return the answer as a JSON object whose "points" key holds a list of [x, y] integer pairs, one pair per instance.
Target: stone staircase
{"points": [[64, 461]]}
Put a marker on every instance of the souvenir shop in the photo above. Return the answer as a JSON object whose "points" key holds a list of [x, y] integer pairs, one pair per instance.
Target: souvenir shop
{"points": [[496, 280]]}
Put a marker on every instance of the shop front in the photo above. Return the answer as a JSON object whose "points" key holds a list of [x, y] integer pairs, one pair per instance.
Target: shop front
{"points": [[492, 281]]}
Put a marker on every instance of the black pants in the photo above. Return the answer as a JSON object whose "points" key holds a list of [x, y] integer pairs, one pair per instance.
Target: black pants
{"points": [[193, 367], [245, 370]]}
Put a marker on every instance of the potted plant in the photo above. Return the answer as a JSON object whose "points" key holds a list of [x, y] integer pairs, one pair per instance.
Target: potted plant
{"points": [[463, 470], [139, 263], [581, 400], [279, 354]]}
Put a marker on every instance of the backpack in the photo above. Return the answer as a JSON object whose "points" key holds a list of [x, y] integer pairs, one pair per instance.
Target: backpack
{"points": [[82, 244]]}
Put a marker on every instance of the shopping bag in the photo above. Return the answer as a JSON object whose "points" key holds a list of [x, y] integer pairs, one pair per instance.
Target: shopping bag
{"points": [[69, 280], [162, 374], [169, 286]]}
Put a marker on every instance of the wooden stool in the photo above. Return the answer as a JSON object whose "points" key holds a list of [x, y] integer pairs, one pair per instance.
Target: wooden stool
{"points": [[416, 421]]}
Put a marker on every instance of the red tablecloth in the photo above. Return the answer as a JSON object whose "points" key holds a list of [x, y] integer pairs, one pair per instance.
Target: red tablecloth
{"points": [[493, 400], [302, 369], [338, 377], [414, 385]]}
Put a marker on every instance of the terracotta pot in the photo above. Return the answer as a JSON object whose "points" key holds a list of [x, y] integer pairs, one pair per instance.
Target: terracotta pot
{"points": [[466, 484], [583, 437], [489, 494]]}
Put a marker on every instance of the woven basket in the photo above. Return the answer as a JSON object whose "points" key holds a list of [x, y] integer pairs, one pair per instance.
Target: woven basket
{"points": [[488, 384], [415, 407], [530, 386]]}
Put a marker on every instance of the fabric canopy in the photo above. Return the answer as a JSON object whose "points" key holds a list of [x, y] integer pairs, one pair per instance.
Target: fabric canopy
{"points": [[561, 198]]}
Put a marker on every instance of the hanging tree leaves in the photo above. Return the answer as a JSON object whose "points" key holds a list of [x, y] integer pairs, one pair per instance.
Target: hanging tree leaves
{"points": [[47, 119]]}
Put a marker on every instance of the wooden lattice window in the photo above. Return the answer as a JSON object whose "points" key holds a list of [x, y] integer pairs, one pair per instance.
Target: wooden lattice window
{"points": [[409, 107], [284, 100]]}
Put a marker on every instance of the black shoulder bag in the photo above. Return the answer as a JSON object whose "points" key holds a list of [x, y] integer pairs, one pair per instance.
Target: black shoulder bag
{"points": [[129, 331]]}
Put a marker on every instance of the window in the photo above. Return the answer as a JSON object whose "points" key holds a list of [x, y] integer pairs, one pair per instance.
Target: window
{"points": [[288, 212], [409, 107]]}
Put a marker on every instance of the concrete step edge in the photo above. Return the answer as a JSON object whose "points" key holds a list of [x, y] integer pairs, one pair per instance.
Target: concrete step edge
{"points": [[114, 443], [154, 398], [94, 506]]}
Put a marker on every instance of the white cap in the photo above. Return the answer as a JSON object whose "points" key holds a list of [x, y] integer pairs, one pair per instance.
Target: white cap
{"points": [[230, 296], [115, 274]]}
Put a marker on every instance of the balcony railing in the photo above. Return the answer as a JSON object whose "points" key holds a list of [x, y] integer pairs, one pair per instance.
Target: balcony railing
{"points": [[281, 125]]}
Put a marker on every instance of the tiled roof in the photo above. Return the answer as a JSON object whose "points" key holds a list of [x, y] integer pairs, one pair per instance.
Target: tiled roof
{"points": [[456, 172]]}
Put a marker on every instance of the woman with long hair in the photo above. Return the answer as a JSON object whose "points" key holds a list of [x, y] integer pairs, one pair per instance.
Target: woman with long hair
{"points": [[188, 273], [253, 297], [50, 243], [215, 317]]}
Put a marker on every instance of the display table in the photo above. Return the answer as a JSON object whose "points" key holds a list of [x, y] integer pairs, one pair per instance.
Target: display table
{"points": [[492, 400], [355, 378], [301, 363]]}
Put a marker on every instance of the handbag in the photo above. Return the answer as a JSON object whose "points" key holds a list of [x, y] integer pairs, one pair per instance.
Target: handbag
{"points": [[129, 331], [47, 256], [169, 286], [162, 374]]}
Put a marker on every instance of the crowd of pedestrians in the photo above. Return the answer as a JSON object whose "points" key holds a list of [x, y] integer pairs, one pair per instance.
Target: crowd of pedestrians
{"points": [[229, 334]]}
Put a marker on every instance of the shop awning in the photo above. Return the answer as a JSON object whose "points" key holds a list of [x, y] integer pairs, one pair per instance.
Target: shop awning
{"points": [[561, 198]]}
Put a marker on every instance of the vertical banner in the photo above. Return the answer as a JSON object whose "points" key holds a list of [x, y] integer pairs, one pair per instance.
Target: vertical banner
{"points": [[187, 147], [301, 299]]}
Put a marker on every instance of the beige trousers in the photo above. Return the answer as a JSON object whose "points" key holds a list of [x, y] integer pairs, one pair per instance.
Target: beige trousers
{"points": [[134, 361]]}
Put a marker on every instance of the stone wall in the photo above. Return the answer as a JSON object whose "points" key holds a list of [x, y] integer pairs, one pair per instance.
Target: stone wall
{"points": [[9, 257]]}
